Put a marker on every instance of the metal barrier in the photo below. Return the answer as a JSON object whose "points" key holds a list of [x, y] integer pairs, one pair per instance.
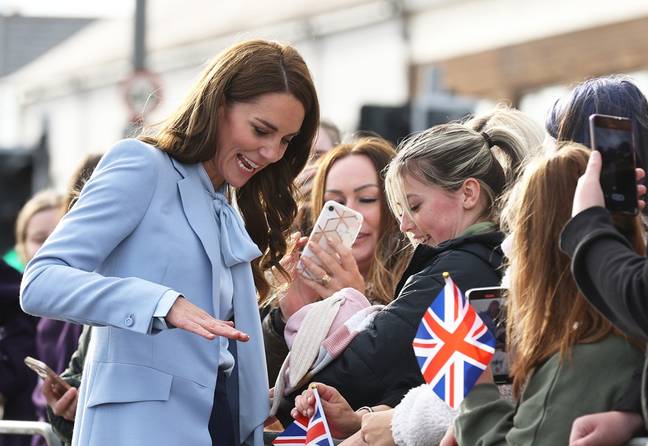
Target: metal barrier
{"points": [[30, 428]]}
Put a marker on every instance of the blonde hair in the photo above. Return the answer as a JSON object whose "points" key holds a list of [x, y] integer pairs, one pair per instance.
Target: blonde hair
{"points": [[393, 250], [489, 148], [42, 201], [546, 312]]}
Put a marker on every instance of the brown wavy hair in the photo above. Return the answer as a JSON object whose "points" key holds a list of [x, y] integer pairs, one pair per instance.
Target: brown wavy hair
{"points": [[242, 73], [393, 251], [546, 312]]}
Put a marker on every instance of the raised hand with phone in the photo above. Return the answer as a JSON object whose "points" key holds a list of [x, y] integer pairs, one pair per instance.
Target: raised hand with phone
{"points": [[326, 264]]}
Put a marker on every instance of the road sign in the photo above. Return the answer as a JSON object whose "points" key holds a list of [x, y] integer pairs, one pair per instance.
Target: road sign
{"points": [[142, 92]]}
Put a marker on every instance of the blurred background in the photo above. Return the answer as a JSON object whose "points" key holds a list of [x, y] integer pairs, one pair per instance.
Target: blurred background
{"points": [[75, 75]]}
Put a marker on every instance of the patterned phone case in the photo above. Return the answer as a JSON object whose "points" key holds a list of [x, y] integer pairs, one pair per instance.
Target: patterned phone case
{"points": [[336, 222]]}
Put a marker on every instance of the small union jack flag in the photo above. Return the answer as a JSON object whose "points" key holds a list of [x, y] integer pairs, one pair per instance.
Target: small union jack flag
{"points": [[305, 432], [295, 433], [452, 345]]}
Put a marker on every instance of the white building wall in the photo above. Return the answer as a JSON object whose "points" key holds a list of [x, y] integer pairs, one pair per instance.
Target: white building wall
{"points": [[364, 66], [86, 111], [358, 51]]}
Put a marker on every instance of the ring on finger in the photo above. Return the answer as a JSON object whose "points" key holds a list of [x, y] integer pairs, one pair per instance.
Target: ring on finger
{"points": [[325, 280]]}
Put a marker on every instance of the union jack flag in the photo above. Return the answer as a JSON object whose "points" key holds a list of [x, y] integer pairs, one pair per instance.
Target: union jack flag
{"points": [[305, 432], [452, 345], [295, 433]]}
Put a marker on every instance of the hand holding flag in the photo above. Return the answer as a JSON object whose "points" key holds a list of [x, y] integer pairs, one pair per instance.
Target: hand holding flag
{"points": [[307, 432], [452, 345]]}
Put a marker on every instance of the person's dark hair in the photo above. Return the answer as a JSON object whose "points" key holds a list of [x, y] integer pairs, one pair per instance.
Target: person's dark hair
{"points": [[568, 118], [242, 73], [79, 178]]}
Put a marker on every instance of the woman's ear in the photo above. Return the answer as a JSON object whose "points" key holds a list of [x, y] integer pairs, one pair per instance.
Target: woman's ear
{"points": [[471, 193]]}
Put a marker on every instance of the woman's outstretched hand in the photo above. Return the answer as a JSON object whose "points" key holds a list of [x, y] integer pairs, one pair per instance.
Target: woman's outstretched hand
{"points": [[187, 316]]}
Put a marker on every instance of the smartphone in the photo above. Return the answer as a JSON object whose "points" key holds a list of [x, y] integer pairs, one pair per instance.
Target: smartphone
{"points": [[490, 305], [44, 371], [337, 222], [613, 137]]}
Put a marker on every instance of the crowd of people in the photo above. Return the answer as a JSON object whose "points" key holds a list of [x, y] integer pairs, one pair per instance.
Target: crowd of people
{"points": [[169, 290]]}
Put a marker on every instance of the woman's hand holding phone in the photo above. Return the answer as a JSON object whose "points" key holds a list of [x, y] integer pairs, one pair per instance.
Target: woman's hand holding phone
{"points": [[589, 192], [337, 267], [63, 402]]}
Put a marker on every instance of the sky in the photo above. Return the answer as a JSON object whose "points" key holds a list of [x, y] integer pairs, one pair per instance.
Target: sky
{"points": [[68, 8]]}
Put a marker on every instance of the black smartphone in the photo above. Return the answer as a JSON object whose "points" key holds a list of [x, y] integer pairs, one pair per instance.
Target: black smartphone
{"points": [[490, 305], [613, 137]]}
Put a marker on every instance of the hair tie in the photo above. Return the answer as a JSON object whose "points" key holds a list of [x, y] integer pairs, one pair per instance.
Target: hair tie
{"points": [[488, 140]]}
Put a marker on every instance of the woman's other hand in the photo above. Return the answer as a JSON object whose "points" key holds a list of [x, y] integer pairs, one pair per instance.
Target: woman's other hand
{"points": [[298, 292], [342, 419], [337, 269], [62, 405], [187, 316], [296, 244], [605, 428], [376, 428]]}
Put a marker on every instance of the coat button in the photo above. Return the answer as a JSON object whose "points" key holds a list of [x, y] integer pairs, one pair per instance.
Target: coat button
{"points": [[129, 321]]}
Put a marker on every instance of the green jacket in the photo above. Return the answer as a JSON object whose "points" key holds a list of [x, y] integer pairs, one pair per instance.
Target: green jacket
{"points": [[592, 380]]}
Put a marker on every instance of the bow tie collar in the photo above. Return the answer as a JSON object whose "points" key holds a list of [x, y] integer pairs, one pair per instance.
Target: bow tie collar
{"points": [[236, 244]]}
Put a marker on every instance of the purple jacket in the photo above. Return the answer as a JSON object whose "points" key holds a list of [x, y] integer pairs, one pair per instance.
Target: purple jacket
{"points": [[55, 343]]}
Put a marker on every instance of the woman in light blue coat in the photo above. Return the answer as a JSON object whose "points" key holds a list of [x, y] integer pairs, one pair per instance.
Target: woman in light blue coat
{"points": [[156, 258]]}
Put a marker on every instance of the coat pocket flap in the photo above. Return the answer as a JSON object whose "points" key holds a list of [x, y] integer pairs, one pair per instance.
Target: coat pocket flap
{"points": [[123, 383]]}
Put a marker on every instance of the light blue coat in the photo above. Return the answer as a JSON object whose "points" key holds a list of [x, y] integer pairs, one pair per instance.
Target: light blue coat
{"points": [[142, 227]]}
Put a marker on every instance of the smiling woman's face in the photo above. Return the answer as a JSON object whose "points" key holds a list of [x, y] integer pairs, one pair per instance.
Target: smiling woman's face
{"points": [[435, 215], [253, 135], [353, 182]]}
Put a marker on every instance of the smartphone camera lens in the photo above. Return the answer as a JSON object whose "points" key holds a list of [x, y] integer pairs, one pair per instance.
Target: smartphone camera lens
{"points": [[330, 208]]}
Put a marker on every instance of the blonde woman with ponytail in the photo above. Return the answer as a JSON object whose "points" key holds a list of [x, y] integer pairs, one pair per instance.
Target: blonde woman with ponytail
{"points": [[444, 186]]}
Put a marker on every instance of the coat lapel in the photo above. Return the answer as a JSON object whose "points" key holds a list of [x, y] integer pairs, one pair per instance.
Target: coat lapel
{"points": [[202, 222]]}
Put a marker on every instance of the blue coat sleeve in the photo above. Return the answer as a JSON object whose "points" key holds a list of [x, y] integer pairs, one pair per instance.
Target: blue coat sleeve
{"points": [[61, 282]]}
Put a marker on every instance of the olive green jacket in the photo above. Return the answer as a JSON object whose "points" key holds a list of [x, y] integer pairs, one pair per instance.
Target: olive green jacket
{"points": [[592, 380]]}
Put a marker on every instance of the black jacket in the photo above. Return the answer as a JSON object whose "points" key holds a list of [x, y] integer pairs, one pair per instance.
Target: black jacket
{"points": [[17, 340], [379, 366], [609, 273], [614, 279]]}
